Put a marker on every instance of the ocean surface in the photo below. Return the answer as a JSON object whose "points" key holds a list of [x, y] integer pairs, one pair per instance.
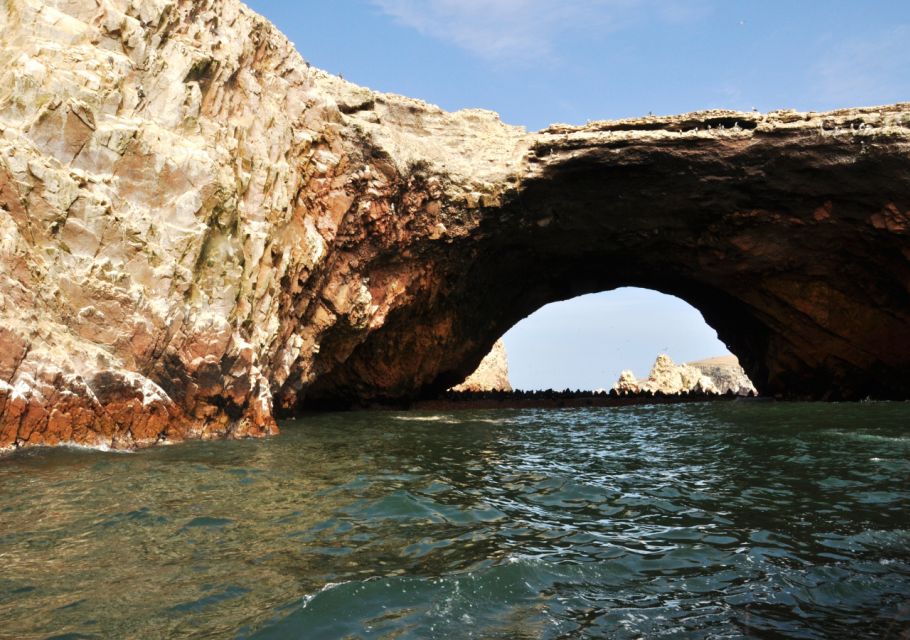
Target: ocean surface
{"points": [[720, 520]]}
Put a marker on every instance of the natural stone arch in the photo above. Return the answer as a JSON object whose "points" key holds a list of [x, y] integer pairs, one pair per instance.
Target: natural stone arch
{"points": [[788, 236], [205, 230]]}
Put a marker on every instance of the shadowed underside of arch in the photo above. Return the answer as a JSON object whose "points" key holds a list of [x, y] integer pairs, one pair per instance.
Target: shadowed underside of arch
{"points": [[200, 231]]}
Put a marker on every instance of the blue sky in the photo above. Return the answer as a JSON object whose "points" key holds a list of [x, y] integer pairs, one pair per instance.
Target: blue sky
{"points": [[542, 61]]}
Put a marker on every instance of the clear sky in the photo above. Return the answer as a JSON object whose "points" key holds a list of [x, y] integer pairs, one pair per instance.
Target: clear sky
{"points": [[542, 61]]}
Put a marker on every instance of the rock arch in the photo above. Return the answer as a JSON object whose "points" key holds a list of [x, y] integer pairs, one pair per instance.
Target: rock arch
{"points": [[199, 231], [787, 231]]}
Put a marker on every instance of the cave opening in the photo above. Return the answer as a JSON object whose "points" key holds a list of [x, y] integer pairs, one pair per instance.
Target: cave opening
{"points": [[561, 334]]}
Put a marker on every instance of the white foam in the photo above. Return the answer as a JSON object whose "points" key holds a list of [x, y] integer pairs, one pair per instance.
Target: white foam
{"points": [[495, 420], [867, 437], [309, 597], [101, 447]]}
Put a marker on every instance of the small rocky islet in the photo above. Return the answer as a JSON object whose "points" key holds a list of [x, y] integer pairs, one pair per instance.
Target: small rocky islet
{"points": [[719, 375]]}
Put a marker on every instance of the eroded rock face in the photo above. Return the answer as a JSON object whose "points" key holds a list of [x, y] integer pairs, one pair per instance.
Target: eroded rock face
{"points": [[199, 232], [727, 375], [720, 375], [668, 378], [492, 374]]}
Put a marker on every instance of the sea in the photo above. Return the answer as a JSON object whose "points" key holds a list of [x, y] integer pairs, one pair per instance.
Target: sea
{"points": [[740, 519]]}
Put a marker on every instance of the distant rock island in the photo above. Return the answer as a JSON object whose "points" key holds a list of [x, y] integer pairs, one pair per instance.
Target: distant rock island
{"points": [[492, 374], [720, 375], [712, 376], [727, 375], [201, 233]]}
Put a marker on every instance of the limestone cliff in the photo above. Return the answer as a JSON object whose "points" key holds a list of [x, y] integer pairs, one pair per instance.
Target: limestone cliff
{"points": [[199, 231], [492, 374]]}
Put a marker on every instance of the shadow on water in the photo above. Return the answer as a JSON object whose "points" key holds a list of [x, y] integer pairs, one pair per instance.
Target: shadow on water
{"points": [[702, 520]]}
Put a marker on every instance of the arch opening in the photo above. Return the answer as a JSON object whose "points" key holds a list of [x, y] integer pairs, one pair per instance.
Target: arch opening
{"points": [[586, 343], [467, 336]]}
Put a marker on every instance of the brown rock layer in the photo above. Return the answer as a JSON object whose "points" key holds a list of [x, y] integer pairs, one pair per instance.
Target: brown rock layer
{"points": [[199, 231]]}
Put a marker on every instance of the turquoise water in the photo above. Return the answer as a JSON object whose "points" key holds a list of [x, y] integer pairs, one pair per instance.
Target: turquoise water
{"points": [[721, 520]]}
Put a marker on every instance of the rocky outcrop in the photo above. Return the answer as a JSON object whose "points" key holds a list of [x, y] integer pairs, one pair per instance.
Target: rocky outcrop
{"points": [[712, 376], [727, 375], [668, 378], [491, 375], [200, 232]]}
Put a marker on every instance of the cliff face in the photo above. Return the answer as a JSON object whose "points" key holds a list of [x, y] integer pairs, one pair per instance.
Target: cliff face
{"points": [[198, 231], [193, 220], [726, 374]]}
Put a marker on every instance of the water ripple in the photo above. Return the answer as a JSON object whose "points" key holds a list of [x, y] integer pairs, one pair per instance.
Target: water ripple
{"points": [[692, 521]]}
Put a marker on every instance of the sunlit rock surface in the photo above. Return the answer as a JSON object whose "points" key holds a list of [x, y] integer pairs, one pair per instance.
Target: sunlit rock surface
{"points": [[199, 231], [719, 375], [668, 378], [726, 374], [492, 374], [191, 220]]}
